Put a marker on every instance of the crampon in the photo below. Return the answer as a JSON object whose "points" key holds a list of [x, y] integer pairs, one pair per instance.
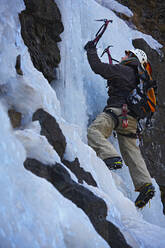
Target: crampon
{"points": [[145, 195], [114, 163]]}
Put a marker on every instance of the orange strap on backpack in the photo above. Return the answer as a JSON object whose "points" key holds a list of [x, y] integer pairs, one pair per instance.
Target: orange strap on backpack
{"points": [[150, 92]]}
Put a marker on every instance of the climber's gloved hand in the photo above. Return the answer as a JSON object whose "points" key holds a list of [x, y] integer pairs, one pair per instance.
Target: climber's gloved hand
{"points": [[89, 45]]}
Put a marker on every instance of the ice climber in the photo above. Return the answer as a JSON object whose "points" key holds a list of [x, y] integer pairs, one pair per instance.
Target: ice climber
{"points": [[122, 79]]}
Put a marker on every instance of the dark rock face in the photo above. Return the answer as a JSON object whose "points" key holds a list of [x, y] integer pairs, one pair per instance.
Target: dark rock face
{"points": [[15, 118], [153, 148], [93, 206], [40, 28], [149, 17], [51, 130], [18, 65], [162, 190], [82, 175], [153, 139]]}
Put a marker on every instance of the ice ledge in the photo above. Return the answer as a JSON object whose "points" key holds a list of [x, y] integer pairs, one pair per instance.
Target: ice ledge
{"points": [[115, 6]]}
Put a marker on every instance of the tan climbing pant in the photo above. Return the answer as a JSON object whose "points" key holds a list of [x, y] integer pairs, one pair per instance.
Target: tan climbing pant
{"points": [[101, 129]]}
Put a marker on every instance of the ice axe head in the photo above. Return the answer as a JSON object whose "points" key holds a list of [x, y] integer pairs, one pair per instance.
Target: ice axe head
{"points": [[106, 50], [104, 20], [101, 30]]}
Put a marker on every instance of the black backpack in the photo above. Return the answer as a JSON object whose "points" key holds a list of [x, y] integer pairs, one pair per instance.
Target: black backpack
{"points": [[142, 100]]}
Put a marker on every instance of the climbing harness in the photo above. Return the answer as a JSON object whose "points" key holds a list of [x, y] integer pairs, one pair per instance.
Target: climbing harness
{"points": [[101, 30], [129, 135]]}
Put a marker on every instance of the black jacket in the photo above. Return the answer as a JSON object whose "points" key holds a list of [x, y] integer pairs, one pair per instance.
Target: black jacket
{"points": [[122, 78]]}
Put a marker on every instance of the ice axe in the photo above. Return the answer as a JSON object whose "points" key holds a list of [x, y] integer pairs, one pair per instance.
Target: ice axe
{"points": [[101, 30], [106, 50]]}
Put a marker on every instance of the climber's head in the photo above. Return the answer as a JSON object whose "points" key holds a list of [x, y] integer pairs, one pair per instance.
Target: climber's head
{"points": [[139, 54]]}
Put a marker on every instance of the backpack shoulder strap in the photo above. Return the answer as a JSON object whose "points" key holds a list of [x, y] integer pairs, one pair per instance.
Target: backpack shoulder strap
{"points": [[150, 91]]}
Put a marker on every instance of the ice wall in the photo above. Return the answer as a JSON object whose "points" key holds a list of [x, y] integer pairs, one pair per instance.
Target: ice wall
{"points": [[32, 212]]}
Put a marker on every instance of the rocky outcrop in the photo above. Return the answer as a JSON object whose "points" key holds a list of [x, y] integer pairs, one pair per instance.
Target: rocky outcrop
{"points": [[15, 118], [51, 130], [81, 175], [41, 26], [149, 17], [18, 65], [94, 207]]}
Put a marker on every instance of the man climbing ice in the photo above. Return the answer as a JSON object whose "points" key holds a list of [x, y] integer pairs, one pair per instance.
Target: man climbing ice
{"points": [[117, 115]]}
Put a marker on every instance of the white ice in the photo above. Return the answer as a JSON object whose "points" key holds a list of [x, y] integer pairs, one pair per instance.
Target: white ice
{"points": [[114, 5], [33, 213]]}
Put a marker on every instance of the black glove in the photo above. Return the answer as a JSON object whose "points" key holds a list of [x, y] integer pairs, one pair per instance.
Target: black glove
{"points": [[89, 45]]}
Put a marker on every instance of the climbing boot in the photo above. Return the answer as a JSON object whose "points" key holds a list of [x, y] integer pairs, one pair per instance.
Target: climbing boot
{"points": [[113, 163], [147, 192]]}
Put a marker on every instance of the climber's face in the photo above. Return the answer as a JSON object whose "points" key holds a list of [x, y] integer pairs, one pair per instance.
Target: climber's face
{"points": [[124, 58]]}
